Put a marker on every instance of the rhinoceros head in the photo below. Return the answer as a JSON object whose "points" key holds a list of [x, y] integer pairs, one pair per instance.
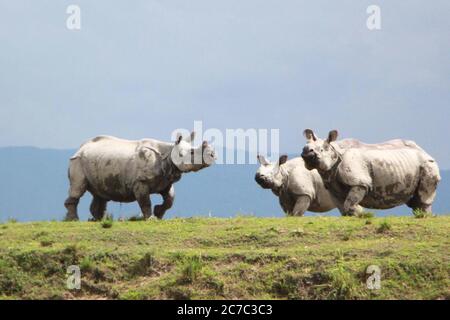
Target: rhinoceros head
{"points": [[187, 158], [268, 175], [319, 154]]}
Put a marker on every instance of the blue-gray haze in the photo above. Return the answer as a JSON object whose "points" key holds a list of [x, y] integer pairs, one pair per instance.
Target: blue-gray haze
{"points": [[143, 68], [34, 186]]}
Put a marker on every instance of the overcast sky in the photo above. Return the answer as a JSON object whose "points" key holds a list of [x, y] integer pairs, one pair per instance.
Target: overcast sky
{"points": [[143, 68]]}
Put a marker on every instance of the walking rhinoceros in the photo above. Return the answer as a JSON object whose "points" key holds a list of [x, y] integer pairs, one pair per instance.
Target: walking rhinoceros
{"points": [[125, 171], [297, 188], [377, 176]]}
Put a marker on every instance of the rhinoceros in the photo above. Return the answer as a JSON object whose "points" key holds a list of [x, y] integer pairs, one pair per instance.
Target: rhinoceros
{"points": [[376, 176], [114, 169], [297, 188]]}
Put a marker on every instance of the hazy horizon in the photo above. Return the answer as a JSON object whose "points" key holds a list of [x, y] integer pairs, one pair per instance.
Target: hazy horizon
{"points": [[34, 186]]}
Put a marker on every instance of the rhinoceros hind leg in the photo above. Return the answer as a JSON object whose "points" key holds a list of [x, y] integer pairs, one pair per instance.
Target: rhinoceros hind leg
{"points": [[351, 205], [168, 199], [71, 206], [98, 208], [301, 205], [426, 191], [78, 186]]}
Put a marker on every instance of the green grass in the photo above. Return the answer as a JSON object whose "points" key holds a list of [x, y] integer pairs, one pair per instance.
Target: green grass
{"points": [[420, 214], [239, 258], [384, 227], [107, 222], [366, 215]]}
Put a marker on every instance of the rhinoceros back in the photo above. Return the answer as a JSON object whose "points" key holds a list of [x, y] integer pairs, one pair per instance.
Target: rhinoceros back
{"points": [[391, 171], [109, 165]]}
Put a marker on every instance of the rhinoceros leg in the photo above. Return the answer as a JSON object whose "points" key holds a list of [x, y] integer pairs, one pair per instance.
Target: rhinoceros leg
{"points": [[71, 205], [287, 202], [301, 205], [168, 198], [78, 186], [142, 195], [351, 204], [145, 205], [426, 190], [98, 208]]}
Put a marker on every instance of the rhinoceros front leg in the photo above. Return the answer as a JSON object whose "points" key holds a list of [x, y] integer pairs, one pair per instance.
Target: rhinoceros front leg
{"points": [[301, 205], [98, 208], [142, 195], [168, 198], [71, 205], [145, 205], [351, 204]]}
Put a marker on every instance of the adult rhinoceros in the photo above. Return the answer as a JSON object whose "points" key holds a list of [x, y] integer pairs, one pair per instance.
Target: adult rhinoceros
{"points": [[297, 188], [377, 176], [125, 171]]}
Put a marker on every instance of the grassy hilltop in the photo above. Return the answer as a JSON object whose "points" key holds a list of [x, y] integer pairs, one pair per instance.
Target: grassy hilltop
{"points": [[239, 258]]}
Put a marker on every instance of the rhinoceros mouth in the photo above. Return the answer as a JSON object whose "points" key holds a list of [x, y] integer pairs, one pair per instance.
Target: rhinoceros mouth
{"points": [[264, 183], [311, 161], [202, 166]]}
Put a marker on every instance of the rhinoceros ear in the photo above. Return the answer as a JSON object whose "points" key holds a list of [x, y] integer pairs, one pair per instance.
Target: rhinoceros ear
{"points": [[262, 160], [332, 136], [282, 160], [191, 137], [179, 138], [309, 135]]}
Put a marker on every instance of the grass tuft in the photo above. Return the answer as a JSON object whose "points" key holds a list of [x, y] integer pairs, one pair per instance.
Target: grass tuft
{"points": [[107, 222], [384, 227], [86, 264], [421, 214], [46, 242], [145, 265], [190, 269], [366, 215]]}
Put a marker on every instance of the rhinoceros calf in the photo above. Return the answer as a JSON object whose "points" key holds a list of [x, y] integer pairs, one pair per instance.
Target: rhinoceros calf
{"points": [[126, 171], [297, 188], [377, 176]]}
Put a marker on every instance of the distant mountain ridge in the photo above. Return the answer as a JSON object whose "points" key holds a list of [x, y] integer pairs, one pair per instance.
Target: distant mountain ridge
{"points": [[34, 184]]}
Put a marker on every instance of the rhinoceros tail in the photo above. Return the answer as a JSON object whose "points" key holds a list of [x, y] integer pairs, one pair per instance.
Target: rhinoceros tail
{"points": [[411, 144]]}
